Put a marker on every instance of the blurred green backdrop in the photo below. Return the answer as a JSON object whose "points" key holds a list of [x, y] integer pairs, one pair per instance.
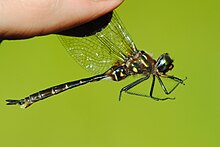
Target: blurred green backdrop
{"points": [[91, 115]]}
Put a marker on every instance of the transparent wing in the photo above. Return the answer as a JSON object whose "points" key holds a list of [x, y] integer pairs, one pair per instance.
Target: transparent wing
{"points": [[98, 52]]}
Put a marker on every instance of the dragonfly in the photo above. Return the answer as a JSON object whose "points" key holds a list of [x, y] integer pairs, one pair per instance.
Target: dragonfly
{"points": [[110, 53]]}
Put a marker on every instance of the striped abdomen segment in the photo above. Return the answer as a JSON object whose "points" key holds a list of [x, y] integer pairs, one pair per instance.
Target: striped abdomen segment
{"points": [[52, 91]]}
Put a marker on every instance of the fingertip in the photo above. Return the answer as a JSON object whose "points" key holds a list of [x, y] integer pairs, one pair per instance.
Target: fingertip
{"points": [[111, 4], [92, 9], [104, 6]]}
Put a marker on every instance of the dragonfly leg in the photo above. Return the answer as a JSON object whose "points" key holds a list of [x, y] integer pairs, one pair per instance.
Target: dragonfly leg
{"points": [[148, 96], [151, 92], [126, 88], [178, 80]]}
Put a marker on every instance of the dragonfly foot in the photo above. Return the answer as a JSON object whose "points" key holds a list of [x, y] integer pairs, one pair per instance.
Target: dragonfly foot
{"points": [[162, 99]]}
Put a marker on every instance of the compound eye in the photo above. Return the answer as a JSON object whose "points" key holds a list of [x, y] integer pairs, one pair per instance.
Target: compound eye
{"points": [[164, 63]]}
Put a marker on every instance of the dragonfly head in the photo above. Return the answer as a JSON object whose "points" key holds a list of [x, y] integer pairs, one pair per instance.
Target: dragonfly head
{"points": [[164, 63]]}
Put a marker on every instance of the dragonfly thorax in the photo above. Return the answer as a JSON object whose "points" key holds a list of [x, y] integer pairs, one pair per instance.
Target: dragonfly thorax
{"points": [[139, 63]]}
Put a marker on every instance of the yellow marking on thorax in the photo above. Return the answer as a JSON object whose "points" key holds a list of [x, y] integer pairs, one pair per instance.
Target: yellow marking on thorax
{"points": [[134, 69], [116, 78], [143, 60], [121, 74]]}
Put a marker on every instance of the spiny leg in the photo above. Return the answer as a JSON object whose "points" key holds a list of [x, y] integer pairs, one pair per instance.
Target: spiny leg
{"points": [[126, 88], [130, 86], [178, 80], [151, 92], [152, 97]]}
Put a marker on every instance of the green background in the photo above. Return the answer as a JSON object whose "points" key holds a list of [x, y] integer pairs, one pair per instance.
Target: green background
{"points": [[91, 116]]}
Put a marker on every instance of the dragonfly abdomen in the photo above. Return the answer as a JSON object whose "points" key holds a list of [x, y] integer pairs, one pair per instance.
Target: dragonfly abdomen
{"points": [[53, 91]]}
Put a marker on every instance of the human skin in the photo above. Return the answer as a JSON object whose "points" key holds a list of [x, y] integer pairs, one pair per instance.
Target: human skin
{"points": [[21, 19]]}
